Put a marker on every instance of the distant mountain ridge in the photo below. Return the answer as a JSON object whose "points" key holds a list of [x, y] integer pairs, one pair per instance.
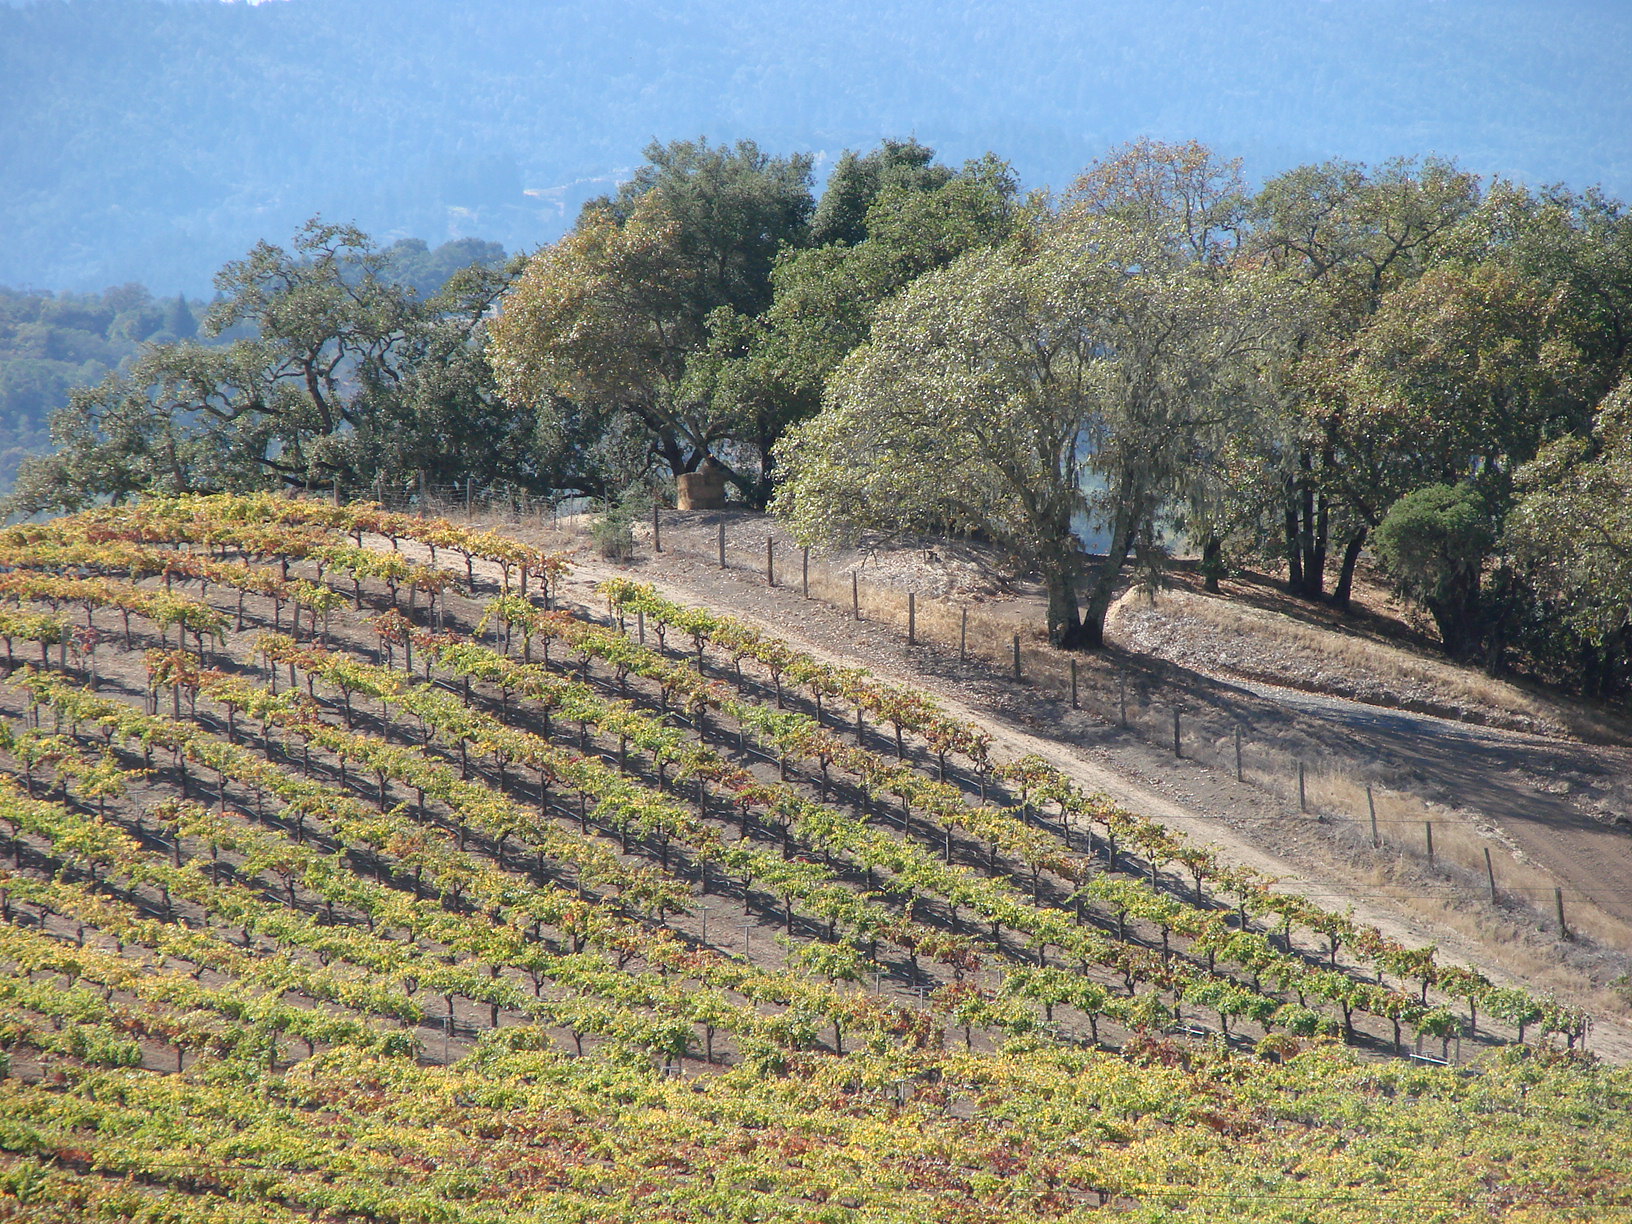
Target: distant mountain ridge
{"points": [[152, 141]]}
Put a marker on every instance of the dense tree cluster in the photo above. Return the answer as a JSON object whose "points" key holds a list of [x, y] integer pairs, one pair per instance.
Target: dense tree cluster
{"points": [[319, 366], [53, 342], [1399, 357]]}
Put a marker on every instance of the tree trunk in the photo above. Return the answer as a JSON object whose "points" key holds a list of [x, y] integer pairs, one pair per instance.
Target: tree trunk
{"points": [[1345, 578], [1104, 586], [1064, 619], [1294, 559], [1212, 562]]}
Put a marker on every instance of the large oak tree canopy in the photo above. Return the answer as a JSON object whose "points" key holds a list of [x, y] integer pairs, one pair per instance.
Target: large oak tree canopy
{"points": [[337, 376], [605, 323], [1110, 337]]}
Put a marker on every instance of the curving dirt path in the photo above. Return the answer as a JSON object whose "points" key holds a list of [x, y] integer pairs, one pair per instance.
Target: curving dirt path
{"points": [[1542, 793]]}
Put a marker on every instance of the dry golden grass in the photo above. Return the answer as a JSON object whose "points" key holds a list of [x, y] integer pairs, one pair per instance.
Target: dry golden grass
{"points": [[1270, 645]]}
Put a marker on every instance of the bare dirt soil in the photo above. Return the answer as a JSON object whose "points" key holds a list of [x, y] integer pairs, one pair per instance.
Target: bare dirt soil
{"points": [[1549, 806]]}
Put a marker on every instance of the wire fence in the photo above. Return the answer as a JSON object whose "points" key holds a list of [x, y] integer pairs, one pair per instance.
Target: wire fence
{"points": [[495, 503], [1363, 818], [1133, 695]]}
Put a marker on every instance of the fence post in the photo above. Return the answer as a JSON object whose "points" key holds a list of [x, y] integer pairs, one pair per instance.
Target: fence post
{"points": [[1371, 806], [722, 543], [770, 561], [804, 572], [1428, 829], [963, 635], [1490, 874], [1176, 751], [1017, 658], [1558, 900], [855, 595], [912, 618], [1073, 687], [1303, 795], [657, 529], [1238, 776]]}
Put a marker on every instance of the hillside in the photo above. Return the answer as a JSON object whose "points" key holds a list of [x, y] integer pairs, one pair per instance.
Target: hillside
{"points": [[359, 868], [153, 141]]}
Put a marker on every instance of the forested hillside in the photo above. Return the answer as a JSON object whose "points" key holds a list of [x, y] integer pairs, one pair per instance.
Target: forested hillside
{"points": [[148, 141], [51, 343]]}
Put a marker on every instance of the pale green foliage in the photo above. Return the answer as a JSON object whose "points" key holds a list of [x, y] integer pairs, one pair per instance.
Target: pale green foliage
{"points": [[1572, 527], [1113, 336], [990, 386]]}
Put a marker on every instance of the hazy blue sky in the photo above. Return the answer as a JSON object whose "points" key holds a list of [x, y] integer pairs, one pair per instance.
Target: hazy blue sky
{"points": [[151, 140]]}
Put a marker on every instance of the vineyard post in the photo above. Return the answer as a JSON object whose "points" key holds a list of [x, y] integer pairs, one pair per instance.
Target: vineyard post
{"points": [[1558, 900], [1073, 692], [963, 636], [912, 618], [1177, 749], [855, 596], [1017, 676], [770, 561], [467, 499], [1490, 874], [640, 624], [722, 543], [1303, 794], [704, 910], [1371, 806], [1428, 830], [1122, 696], [657, 529], [1238, 775], [746, 927], [804, 572]]}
